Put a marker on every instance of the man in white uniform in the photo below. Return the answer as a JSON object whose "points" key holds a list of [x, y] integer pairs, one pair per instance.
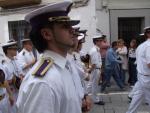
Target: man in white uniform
{"points": [[11, 64], [14, 72], [4, 87], [53, 84], [96, 63], [76, 58], [143, 68], [26, 58]]}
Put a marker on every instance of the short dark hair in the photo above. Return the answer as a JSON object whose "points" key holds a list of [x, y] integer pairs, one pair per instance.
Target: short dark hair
{"points": [[113, 44], [5, 50], [37, 39], [146, 32]]}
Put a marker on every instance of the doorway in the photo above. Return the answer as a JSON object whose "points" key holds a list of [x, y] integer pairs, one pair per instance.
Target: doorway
{"points": [[129, 28]]}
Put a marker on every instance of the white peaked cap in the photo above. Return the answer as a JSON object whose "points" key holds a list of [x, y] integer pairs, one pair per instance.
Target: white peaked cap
{"points": [[61, 6]]}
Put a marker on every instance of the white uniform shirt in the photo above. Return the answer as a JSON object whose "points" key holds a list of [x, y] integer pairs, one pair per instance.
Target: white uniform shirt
{"points": [[79, 69], [12, 68], [25, 57], [79, 64], [122, 53], [77, 59], [3, 90], [4, 101], [95, 57], [143, 58], [74, 58], [56, 92]]}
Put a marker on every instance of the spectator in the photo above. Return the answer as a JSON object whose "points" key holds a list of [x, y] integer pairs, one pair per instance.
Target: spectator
{"points": [[131, 62], [122, 53]]}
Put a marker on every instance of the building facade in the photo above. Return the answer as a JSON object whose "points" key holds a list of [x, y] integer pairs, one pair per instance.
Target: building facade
{"points": [[114, 18], [122, 18]]}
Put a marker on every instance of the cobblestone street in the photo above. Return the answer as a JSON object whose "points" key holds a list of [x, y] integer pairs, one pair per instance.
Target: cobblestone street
{"points": [[117, 102]]}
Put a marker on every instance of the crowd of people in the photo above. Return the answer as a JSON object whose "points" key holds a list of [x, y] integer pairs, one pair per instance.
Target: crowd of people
{"points": [[60, 78], [14, 67]]}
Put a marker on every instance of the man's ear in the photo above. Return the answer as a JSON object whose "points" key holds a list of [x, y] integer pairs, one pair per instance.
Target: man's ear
{"points": [[46, 33]]}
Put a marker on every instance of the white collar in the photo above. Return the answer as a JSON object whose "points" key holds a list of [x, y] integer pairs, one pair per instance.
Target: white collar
{"points": [[8, 59], [58, 59], [97, 48], [25, 50]]}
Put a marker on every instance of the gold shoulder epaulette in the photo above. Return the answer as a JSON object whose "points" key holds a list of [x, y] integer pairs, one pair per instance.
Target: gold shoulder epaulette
{"points": [[43, 67]]}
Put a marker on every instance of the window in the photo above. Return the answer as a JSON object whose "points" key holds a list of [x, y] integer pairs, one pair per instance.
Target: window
{"points": [[18, 30], [129, 27]]}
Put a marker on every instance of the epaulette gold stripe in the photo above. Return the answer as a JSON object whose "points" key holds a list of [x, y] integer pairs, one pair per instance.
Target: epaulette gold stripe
{"points": [[47, 67], [37, 68]]}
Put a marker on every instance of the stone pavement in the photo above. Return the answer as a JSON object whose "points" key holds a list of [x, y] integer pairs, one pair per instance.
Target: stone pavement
{"points": [[117, 102]]}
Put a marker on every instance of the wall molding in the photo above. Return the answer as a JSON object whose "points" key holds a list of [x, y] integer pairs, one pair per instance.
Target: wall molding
{"points": [[80, 3], [22, 10]]}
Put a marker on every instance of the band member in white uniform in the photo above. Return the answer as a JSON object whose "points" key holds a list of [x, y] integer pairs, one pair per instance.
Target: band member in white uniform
{"points": [[14, 72], [143, 68], [53, 84], [26, 58], [4, 90], [96, 63]]}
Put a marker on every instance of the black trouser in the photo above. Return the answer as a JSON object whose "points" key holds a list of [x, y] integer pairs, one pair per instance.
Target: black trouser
{"points": [[102, 69], [132, 71]]}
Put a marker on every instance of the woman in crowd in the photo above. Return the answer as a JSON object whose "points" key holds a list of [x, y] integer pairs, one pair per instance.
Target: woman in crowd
{"points": [[131, 62], [122, 54]]}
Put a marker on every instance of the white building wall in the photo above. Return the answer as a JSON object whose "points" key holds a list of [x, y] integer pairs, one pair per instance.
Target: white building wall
{"points": [[4, 34], [86, 15], [102, 17], [115, 14], [94, 15], [102, 22], [87, 18], [128, 4], [108, 23]]}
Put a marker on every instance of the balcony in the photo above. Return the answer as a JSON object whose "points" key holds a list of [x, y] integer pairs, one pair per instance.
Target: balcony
{"points": [[17, 3]]}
